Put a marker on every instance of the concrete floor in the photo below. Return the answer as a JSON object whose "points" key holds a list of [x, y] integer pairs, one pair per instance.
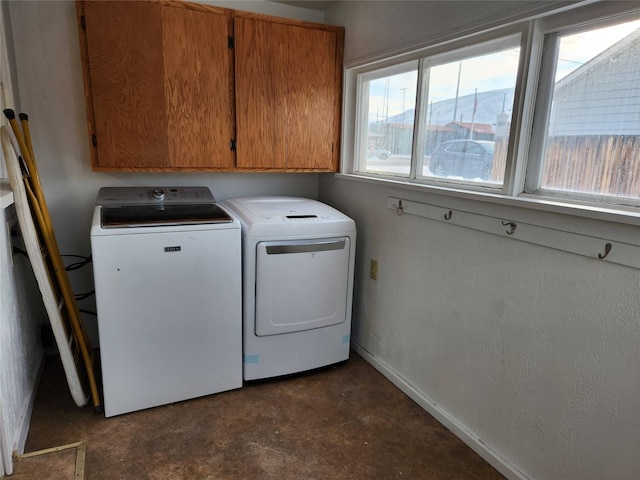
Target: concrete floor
{"points": [[342, 422]]}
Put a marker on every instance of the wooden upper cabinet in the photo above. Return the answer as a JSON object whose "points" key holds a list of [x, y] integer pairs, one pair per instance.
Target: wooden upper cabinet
{"points": [[288, 79], [175, 85], [159, 85]]}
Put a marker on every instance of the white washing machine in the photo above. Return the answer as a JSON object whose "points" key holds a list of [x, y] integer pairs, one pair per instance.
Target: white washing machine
{"points": [[167, 271], [298, 264]]}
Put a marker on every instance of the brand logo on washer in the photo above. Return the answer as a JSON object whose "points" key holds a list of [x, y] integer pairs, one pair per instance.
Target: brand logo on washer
{"points": [[172, 249]]}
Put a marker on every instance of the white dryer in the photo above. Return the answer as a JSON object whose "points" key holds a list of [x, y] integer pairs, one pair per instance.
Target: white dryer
{"points": [[298, 265]]}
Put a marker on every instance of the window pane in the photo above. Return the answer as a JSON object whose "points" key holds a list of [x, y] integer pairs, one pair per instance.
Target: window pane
{"points": [[468, 117], [593, 135], [386, 135]]}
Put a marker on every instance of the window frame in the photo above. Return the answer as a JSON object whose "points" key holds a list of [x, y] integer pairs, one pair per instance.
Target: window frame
{"points": [[458, 49], [551, 30], [361, 127], [503, 38], [523, 156]]}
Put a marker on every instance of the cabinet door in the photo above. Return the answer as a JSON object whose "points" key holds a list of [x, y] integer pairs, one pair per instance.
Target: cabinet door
{"points": [[287, 95], [124, 68], [159, 85], [312, 98], [261, 93], [198, 87]]}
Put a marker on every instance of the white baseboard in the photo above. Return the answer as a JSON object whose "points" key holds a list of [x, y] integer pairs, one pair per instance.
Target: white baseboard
{"points": [[458, 429]]}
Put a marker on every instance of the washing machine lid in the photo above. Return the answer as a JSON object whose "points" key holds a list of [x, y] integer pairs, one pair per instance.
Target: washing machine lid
{"points": [[164, 215], [158, 206]]}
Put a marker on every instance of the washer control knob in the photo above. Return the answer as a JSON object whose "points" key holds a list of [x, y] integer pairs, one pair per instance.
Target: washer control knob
{"points": [[158, 194]]}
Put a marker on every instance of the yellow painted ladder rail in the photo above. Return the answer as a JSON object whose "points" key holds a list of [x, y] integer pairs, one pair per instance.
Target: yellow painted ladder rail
{"points": [[42, 271], [39, 208]]}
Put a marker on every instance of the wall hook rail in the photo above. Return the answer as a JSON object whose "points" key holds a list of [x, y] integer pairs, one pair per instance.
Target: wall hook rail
{"points": [[607, 249], [595, 248], [512, 227]]}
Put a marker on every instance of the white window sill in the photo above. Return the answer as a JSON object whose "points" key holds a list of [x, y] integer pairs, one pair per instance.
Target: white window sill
{"points": [[620, 215]]}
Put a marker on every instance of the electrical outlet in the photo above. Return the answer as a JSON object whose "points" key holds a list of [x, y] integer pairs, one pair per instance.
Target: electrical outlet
{"points": [[373, 269]]}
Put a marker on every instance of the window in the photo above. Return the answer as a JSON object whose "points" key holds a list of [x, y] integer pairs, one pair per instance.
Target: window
{"points": [[549, 107], [468, 93], [388, 102], [466, 102], [588, 132]]}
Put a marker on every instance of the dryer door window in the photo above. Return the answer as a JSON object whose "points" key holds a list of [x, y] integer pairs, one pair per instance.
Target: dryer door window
{"points": [[301, 284]]}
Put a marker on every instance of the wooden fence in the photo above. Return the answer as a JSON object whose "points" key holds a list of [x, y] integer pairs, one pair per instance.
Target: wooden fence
{"points": [[598, 164], [602, 164]]}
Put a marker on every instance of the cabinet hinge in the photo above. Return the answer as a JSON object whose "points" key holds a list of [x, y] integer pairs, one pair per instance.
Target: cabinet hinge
{"points": [[230, 42], [232, 145], [83, 22], [94, 140]]}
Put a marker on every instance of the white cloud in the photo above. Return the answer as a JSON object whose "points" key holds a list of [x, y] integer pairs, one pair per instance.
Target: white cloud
{"points": [[578, 49]]}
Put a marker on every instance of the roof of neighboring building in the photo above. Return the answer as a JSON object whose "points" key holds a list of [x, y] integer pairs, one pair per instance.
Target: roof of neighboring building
{"points": [[602, 96], [476, 127]]}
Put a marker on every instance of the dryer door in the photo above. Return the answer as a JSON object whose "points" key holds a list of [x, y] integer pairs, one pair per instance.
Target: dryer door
{"points": [[301, 284]]}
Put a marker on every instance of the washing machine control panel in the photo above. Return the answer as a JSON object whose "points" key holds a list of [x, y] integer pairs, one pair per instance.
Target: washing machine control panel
{"points": [[158, 193], [153, 195]]}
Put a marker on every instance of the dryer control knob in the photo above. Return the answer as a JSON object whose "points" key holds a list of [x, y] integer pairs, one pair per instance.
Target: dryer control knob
{"points": [[158, 194]]}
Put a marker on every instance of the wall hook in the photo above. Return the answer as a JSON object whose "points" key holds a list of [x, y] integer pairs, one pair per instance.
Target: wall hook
{"points": [[512, 227], [607, 249], [400, 209], [448, 215]]}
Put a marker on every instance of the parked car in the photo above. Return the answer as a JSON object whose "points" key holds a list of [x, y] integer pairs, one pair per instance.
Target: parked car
{"points": [[463, 158], [381, 153]]}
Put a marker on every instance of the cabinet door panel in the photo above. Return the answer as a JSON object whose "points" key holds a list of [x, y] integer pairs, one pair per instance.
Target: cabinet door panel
{"points": [[311, 98], [261, 98], [287, 95], [125, 64], [198, 88]]}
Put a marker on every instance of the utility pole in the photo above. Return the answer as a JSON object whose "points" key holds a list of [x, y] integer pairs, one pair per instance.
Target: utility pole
{"points": [[385, 108], [473, 115], [403, 91], [455, 105]]}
